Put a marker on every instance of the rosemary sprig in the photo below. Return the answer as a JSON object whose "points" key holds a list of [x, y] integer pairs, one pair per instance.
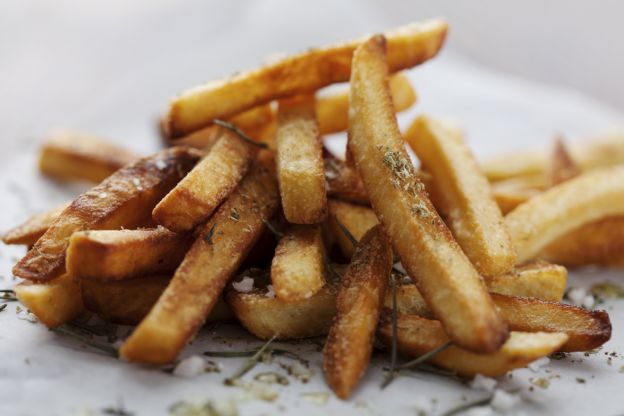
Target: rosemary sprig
{"points": [[393, 352], [3, 307], [416, 364], [8, 295], [463, 407], [425, 357], [249, 364], [101, 346], [346, 232], [272, 229], [239, 132], [210, 233]]}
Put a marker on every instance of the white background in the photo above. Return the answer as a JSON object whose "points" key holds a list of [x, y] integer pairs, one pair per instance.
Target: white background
{"points": [[110, 68]]}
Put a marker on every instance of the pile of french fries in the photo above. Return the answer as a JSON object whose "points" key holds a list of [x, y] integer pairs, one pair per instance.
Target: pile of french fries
{"points": [[244, 216]]}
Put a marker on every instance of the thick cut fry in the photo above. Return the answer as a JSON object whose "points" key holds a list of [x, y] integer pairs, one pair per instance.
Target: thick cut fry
{"points": [[53, 303], [355, 218], [304, 73], [128, 302], [598, 243], [360, 299], [418, 336], [124, 199], [300, 168], [332, 110], [125, 254], [510, 193], [196, 197], [465, 196], [562, 166], [343, 182], [30, 231], [589, 154], [298, 268], [78, 156], [589, 197], [540, 280], [197, 284], [449, 282], [586, 330], [266, 316]]}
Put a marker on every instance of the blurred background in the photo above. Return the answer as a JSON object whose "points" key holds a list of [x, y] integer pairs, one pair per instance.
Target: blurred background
{"points": [[110, 67]]}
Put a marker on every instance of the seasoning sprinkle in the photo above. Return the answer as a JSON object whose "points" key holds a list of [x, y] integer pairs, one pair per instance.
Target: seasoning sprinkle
{"points": [[210, 233]]}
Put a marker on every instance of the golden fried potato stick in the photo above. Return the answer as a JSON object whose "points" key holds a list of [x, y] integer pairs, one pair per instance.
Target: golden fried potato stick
{"points": [[196, 196], [124, 199], [215, 256], [545, 218], [586, 330], [465, 196], [298, 268], [510, 193], [127, 302], [332, 110], [452, 287], [53, 303], [343, 182], [125, 254], [418, 336], [360, 299], [598, 243], [68, 155], [299, 161], [355, 218], [562, 166], [589, 154], [34, 227], [539, 279], [303, 73], [266, 316]]}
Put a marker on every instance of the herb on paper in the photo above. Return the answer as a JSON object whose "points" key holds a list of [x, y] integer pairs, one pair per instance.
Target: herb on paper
{"points": [[249, 364], [239, 132]]}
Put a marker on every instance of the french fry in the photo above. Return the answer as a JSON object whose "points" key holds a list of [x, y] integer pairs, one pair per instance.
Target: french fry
{"points": [[465, 196], [598, 243], [510, 193], [562, 166], [125, 254], [540, 280], [449, 282], [197, 284], [355, 218], [299, 161], [298, 268], [33, 228], [78, 156], [360, 299], [124, 199], [418, 336], [128, 302], [545, 218], [266, 316], [196, 196], [343, 182], [298, 74], [586, 330], [332, 110], [53, 303], [589, 154]]}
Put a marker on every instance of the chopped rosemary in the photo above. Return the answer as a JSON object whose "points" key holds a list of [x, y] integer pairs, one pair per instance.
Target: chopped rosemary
{"points": [[3, 307], [101, 346], [272, 378], [249, 364], [119, 410], [425, 357], [463, 407], [210, 233], [272, 228], [346, 232], [239, 132], [393, 352], [7, 295], [234, 214]]}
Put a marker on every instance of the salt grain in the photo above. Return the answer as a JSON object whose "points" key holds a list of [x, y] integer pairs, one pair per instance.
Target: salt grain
{"points": [[245, 285], [483, 383], [190, 367], [536, 365], [270, 292], [503, 401]]}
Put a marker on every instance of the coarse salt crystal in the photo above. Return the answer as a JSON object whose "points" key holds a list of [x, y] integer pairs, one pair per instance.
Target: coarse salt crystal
{"points": [[103, 195], [422, 405], [483, 383], [270, 292], [589, 302], [503, 401], [577, 295], [245, 285], [479, 411], [27, 316], [539, 363], [160, 164], [190, 367]]}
